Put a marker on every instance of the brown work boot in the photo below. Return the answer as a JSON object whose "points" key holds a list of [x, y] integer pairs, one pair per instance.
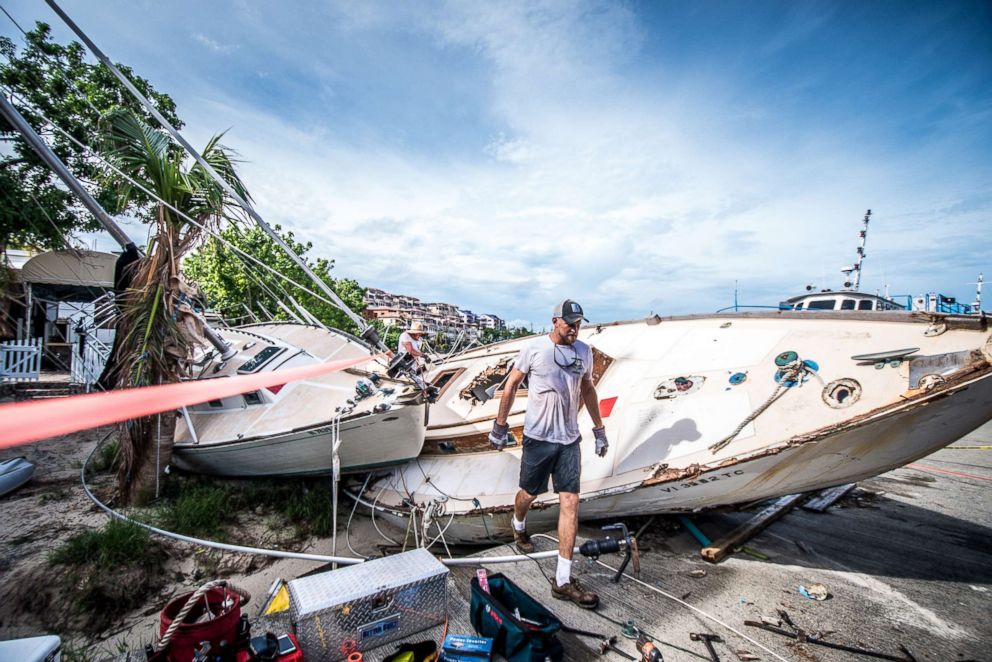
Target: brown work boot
{"points": [[572, 591], [522, 541]]}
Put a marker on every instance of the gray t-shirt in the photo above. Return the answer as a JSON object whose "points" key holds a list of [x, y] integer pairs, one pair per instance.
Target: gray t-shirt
{"points": [[554, 388]]}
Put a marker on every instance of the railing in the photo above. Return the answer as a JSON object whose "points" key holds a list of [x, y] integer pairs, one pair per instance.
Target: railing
{"points": [[20, 360], [87, 366], [737, 307]]}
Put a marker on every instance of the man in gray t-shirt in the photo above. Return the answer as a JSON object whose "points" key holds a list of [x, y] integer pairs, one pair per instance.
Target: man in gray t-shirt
{"points": [[559, 371]]}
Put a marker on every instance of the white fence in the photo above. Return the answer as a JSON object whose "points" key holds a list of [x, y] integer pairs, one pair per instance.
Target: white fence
{"points": [[20, 360]]}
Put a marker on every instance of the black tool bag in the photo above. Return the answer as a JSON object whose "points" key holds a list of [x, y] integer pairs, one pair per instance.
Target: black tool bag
{"points": [[530, 638]]}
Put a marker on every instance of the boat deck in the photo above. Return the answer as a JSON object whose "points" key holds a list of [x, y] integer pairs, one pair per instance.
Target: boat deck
{"points": [[906, 557]]}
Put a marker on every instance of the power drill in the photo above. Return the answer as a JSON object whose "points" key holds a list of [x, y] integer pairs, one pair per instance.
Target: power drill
{"points": [[649, 652]]}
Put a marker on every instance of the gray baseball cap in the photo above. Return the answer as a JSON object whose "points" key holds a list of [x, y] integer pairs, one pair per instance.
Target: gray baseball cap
{"points": [[569, 311]]}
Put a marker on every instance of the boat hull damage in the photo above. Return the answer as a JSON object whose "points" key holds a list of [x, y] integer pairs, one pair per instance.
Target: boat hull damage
{"points": [[848, 420]]}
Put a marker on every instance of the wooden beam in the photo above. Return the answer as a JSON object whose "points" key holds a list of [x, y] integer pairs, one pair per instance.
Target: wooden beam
{"points": [[827, 498], [720, 549]]}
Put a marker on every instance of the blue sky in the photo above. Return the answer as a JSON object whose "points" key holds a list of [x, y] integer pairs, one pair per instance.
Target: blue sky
{"points": [[636, 157]]}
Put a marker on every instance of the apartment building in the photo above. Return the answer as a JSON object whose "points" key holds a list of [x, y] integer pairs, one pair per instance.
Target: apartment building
{"points": [[402, 310]]}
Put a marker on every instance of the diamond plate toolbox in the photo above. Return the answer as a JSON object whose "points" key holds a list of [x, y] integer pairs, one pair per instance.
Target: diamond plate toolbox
{"points": [[366, 605]]}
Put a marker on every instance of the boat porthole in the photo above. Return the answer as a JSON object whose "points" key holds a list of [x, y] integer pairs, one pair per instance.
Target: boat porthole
{"points": [[841, 393], [678, 386], [738, 378]]}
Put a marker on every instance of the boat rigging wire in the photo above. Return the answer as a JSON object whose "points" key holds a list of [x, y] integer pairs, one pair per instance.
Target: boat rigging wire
{"points": [[223, 183], [216, 235]]}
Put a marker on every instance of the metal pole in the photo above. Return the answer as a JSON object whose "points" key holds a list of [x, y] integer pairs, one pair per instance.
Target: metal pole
{"points": [[206, 166], [53, 162], [48, 156], [28, 311], [861, 252]]}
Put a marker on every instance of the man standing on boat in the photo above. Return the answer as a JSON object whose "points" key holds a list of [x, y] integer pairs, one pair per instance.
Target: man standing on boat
{"points": [[410, 342], [559, 368]]}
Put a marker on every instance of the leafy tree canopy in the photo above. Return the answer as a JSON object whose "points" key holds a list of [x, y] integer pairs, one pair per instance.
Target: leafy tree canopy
{"points": [[234, 286], [73, 94]]}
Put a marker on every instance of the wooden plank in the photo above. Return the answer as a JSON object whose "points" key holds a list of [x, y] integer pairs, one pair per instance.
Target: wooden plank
{"points": [[722, 547], [827, 498]]}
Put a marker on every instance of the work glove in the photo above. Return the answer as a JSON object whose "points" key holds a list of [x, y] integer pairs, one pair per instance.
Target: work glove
{"points": [[497, 438], [601, 443]]}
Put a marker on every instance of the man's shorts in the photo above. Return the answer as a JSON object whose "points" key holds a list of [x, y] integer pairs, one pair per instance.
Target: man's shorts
{"points": [[543, 459]]}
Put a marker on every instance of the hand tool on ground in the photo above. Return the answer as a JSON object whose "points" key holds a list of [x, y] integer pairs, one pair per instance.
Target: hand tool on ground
{"points": [[610, 644], [594, 548], [649, 652], [708, 640], [841, 647]]}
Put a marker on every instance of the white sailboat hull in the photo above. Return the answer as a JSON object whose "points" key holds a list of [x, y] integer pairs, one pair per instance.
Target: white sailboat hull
{"points": [[290, 430], [370, 442], [663, 456]]}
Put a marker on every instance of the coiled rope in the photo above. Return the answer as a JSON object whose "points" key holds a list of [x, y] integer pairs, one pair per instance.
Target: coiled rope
{"points": [[163, 643]]}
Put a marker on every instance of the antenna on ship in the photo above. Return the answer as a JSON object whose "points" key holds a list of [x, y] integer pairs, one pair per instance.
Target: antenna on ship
{"points": [[856, 269], [978, 295]]}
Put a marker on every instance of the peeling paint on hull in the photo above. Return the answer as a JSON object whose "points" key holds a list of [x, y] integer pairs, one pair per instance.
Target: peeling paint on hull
{"points": [[801, 444]]}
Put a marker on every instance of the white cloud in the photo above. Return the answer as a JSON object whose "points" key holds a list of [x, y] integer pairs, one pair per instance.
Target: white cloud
{"points": [[213, 44], [609, 177]]}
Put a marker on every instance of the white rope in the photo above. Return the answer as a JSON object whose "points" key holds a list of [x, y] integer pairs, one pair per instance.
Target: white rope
{"points": [[163, 643], [790, 372]]}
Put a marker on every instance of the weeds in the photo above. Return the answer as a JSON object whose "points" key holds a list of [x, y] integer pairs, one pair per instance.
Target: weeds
{"points": [[198, 510], [102, 575], [60, 494], [310, 509], [117, 544], [106, 459]]}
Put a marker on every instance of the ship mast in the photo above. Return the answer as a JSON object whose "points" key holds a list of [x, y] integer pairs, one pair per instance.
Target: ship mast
{"points": [[855, 284], [9, 112]]}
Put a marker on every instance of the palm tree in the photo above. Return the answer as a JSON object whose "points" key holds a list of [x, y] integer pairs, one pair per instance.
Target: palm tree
{"points": [[157, 331]]}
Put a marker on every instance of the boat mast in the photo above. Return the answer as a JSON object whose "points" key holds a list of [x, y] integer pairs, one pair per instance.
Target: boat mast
{"points": [[368, 332], [856, 269], [52, 161]]}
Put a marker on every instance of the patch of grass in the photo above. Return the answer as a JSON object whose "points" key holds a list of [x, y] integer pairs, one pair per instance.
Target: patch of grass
{"points": [[309, 507], [106, 457], [60, 494], [199, 510], [118, 544], [73, 652], [96, 577]]}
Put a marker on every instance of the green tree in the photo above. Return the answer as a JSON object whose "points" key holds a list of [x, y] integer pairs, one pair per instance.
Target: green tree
{"points": [[390, 336], [73, 94], [235, 286], [153, 343], [497, 335]]}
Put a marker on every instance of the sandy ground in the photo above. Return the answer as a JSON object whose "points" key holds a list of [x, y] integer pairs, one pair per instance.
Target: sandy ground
{"points": [[53, 506]]}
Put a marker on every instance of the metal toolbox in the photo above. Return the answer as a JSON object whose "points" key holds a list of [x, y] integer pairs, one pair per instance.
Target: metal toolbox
{"points": [[364, 606]]}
